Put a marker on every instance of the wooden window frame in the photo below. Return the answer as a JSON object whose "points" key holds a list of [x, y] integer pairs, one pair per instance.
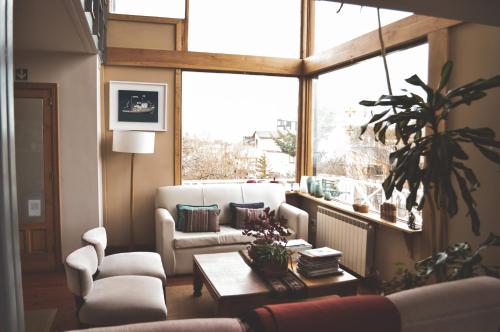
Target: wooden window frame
{"points": [[400, 34]]}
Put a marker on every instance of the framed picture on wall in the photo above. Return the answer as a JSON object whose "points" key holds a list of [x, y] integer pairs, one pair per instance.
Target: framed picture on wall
{"points": [[137, 106]]}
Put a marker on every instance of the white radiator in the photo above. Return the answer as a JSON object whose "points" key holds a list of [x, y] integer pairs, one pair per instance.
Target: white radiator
{"points": [[354, 237]]}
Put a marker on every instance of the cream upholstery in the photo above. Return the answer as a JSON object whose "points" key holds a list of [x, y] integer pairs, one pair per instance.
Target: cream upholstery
{"points": [[114, 300], [227, 235], [177, 248], [182, 325], [130, 263], [457, 306], [133, 263], [80, 266], [98, 238], [124, 300]]}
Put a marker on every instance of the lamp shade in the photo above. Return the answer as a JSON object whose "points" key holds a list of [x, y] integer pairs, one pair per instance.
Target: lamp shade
{"points": [[134, 141]]}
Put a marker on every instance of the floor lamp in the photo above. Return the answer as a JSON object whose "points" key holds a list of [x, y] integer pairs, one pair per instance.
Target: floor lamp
{"points": [[133, 142]]}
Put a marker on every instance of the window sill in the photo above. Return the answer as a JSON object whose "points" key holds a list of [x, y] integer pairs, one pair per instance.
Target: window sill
{"points": [[369, 217]]}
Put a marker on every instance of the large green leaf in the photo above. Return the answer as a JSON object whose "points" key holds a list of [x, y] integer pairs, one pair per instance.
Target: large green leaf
{"points": [[488, 153], [445, 74], [415, 80]]}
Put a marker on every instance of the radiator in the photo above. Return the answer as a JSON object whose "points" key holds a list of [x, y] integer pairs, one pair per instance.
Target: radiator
{"points": [[352, 236]]}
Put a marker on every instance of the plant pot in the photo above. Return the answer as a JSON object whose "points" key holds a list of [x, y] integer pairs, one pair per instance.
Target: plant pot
{"points": [[253, 249], [273, 270]]}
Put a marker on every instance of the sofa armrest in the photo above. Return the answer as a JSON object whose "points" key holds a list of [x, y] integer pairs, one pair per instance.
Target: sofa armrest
{"points": [[165, 229], [298, 220]]}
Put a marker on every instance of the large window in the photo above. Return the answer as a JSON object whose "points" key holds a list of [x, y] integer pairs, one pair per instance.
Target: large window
{"points": [[238, 127], [253, 27], [159, 8], [358, 167], [333, 27]]}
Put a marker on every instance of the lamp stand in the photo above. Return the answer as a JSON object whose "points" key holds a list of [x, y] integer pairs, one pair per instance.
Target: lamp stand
{"points": [[131, 245]]}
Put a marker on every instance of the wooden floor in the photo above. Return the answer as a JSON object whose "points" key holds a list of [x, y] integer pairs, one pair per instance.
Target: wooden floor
{"points": [[49, 290]]}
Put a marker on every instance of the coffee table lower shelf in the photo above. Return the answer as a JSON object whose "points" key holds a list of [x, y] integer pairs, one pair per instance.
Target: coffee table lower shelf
{"points": [[236, 288]]}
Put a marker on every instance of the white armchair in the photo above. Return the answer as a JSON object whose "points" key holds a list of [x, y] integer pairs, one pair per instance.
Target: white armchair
{"points": [[177, 248]]}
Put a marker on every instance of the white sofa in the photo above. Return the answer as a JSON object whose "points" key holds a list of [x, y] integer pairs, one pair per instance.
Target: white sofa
{"points": [[177, 248]]}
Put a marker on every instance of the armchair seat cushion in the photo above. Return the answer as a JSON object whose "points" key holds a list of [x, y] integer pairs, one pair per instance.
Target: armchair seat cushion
{"points": [[132, 263], [124, 300]]}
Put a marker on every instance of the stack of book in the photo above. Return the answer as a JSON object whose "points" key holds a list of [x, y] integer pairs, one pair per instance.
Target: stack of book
{"points": [[319, 262], [297, 245]]}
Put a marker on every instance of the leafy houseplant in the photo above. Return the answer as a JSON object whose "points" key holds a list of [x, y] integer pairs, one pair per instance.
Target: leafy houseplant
{"points": [[268, 250], [445, 160], [456, 262]]}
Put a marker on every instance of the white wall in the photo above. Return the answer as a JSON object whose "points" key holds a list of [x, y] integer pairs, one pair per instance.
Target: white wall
{"points": [[475, 51], [78, 79]]}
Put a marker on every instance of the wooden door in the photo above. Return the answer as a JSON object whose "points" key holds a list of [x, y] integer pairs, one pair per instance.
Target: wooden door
{"points": [[37, 174]]}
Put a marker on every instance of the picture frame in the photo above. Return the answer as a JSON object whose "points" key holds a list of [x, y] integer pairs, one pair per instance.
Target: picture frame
{"points": [[137, 106]]}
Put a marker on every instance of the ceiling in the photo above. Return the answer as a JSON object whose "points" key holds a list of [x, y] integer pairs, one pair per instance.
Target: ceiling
{"points": [[51, 25], [476, 11]]}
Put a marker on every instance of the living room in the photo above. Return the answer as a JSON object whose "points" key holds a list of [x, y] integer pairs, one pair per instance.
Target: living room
{"points": [[238, 100]]}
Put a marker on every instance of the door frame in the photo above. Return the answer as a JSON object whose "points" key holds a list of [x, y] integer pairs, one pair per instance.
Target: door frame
{"points": [[51, 88]]}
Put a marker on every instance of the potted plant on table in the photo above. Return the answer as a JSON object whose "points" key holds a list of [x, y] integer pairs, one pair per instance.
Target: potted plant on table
{"points": [[268, 250]]}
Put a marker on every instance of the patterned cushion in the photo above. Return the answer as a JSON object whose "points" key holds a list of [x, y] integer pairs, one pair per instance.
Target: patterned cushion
{"points": [[243, 215], [201, 220], [179, 225], [233, 206]]}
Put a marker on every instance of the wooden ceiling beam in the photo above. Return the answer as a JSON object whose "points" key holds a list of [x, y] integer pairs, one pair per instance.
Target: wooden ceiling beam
{"points": [[202, 61], [404, 31]]}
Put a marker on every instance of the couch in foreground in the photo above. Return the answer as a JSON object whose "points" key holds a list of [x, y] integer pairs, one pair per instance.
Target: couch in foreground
{"points": [[457, 306], [177, 248]]}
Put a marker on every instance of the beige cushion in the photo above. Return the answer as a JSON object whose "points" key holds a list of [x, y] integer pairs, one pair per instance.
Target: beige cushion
{"points": [[222, 195], [181, 325], [133, 263], [227, 235], [168, 197], [272, 194], [96, 237], [124, 300], [80, 266], [456, 306]]}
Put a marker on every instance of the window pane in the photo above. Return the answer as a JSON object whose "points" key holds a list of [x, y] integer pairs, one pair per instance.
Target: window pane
{"points": [[233, 125], [253, 27], [332, 28], [358, 167], [158, 8]]}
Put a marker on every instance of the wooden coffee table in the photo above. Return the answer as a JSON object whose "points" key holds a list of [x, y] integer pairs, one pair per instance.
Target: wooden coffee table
{"points": [[236, 288]]}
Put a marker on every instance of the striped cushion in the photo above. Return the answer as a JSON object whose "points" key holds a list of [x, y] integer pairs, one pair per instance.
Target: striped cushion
{"points": [[244, 215], [201, 220]]}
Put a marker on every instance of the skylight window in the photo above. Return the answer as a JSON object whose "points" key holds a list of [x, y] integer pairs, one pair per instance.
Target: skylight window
{"points": [[333, 27], [253, 27], [158, 8]]}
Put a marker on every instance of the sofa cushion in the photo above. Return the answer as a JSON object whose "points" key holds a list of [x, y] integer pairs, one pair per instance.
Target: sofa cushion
{"points": [[233, 236], [227, 235], [132, 263], [233, 206], [272, 194], [222, 195], [244, 215], [201, 220], [179, 224], [124, 300]]}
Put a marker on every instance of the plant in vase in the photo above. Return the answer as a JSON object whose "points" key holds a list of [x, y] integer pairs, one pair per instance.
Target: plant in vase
{"points": [[268, 250]]}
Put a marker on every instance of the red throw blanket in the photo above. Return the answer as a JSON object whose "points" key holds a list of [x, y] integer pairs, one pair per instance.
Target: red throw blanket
{"points": [[351, 314]]}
